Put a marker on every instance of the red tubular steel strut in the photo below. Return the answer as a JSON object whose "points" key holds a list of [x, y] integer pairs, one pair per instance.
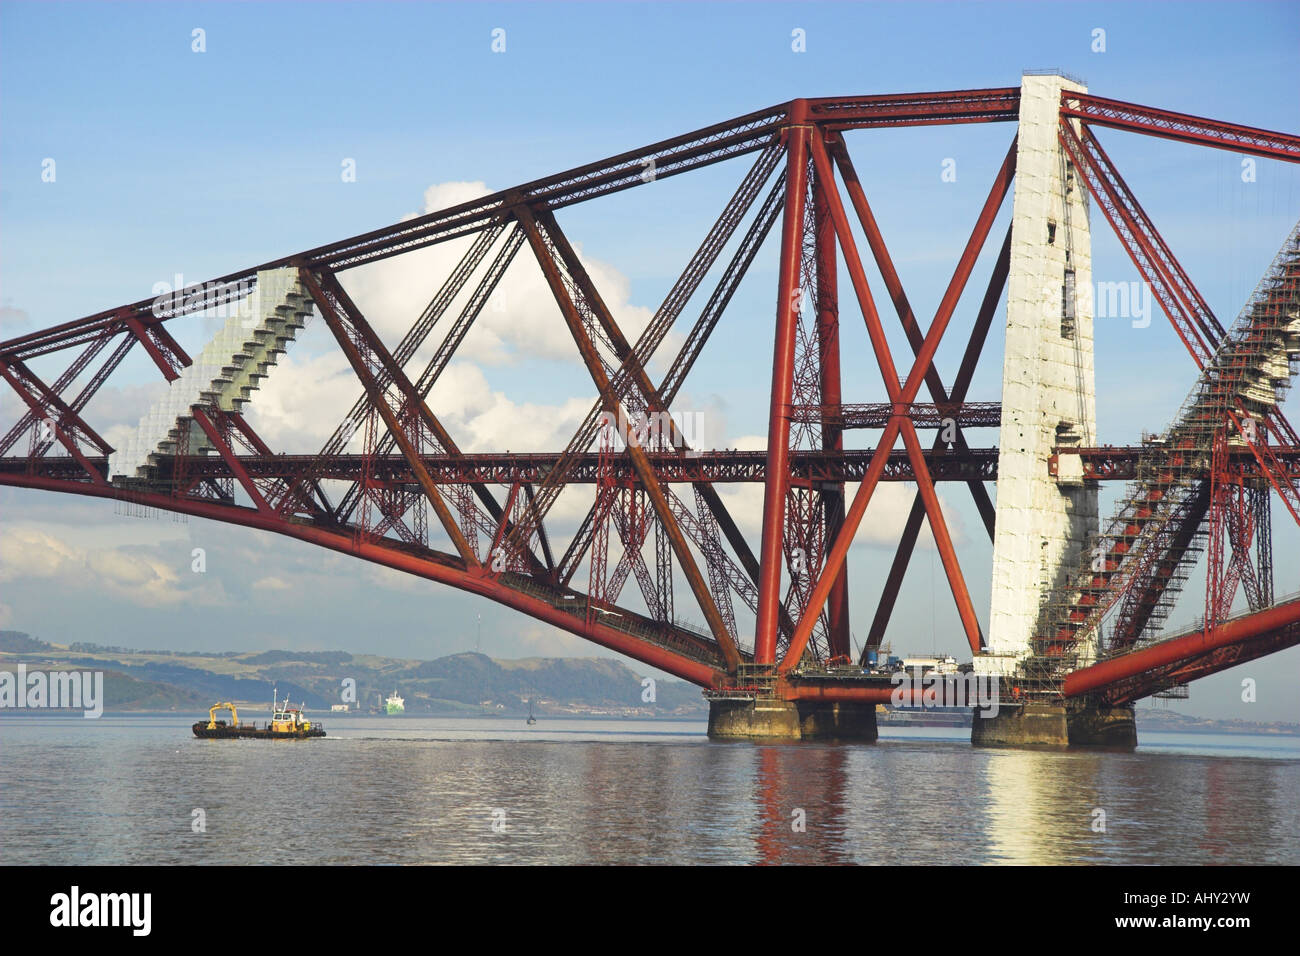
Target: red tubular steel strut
{"points": [[771, 558], [828, 340], [912, 528], [901, 399]]}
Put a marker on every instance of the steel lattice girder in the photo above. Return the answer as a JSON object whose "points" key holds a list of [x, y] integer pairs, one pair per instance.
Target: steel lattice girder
{"points": [[1099, 111], [1112, 463], [1142, 586], [677, 650], [1160, 662], [812, 128], [669, 157]]}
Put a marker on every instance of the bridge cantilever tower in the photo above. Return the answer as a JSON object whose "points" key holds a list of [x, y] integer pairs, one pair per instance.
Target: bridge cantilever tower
{"points": [[1072, 639], [1048, 393]]}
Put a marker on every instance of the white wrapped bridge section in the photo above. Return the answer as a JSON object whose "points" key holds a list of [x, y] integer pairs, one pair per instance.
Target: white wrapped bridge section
{"points": [[1048, 387], [226, 372]]}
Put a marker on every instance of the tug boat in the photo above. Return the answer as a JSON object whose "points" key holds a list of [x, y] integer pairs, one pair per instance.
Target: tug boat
{"points": [[287, 723]]}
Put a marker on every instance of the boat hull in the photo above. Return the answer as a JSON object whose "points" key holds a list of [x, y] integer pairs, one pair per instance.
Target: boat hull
{"points": [[226, 732]]}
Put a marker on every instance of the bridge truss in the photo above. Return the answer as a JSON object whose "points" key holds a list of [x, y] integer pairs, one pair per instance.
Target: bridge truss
{"points": [[656, 518]]}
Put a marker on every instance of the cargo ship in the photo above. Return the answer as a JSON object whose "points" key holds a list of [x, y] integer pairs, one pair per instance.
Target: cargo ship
{"points": [[287, 723], [923, 716], [395, 704]]}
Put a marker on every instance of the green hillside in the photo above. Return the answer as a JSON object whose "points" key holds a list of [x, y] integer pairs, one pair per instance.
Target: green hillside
{"points": [[459, 683]]}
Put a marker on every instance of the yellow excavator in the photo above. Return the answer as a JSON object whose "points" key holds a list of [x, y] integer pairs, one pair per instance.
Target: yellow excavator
{"points": [[286, 723], [224, 705]]}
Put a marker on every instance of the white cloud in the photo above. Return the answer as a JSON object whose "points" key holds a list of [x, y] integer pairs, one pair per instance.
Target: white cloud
{"points": [[481, 419], [142, 576], [29, 553], [445, 195], [308, 393], [302, 401], [521, 319]]}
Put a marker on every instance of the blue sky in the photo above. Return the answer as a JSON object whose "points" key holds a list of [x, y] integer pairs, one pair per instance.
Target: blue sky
{"points": [[171, 161]]}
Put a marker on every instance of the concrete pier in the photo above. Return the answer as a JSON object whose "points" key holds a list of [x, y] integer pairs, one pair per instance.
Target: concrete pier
{"points": [[1029, 725], [769, 719], [1057, 725], [1111, 727]]}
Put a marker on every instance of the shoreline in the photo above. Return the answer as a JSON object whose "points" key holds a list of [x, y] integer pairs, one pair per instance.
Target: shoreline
{"points": [[28, 713]]}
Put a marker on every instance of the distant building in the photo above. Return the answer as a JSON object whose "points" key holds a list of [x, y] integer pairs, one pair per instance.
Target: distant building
{"points": [[944, 665]]}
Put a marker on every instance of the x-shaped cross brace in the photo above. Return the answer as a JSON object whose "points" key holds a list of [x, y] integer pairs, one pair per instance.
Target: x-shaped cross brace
{"points": [[901, 398]]}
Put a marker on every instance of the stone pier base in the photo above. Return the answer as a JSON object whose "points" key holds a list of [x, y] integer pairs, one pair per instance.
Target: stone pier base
{"points": [[791, 720], [1029, 725], [1057, 725], [1092, 726]]}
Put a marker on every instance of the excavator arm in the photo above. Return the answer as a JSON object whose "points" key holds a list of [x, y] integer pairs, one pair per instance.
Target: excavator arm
{"points": [[224, 705]]}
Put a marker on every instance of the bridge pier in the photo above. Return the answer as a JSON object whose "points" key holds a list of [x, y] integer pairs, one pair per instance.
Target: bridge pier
{"points": [[1026, 725], [775, 719], [1095, 726], [1056, 724]]}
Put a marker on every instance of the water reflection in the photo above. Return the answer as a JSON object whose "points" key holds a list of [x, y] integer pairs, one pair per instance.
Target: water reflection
{"points": [[121, 790], [800, 791]]}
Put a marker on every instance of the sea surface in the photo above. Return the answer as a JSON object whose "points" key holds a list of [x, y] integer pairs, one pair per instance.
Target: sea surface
{"points": [[412, 790]]}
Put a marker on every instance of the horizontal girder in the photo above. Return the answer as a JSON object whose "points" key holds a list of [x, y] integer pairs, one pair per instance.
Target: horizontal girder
{"points": [[1108, 463], [722, 467]]}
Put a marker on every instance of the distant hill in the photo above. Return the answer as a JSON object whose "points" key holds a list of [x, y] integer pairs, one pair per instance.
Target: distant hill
{"points": [[192, 681], [1152, 719], [20, 643], [459, 683]]}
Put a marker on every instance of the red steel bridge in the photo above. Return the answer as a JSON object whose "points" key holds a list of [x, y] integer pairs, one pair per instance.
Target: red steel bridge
{"points": [[775, 610]]}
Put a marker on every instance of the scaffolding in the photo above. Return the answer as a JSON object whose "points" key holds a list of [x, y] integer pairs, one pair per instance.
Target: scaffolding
{"points": [[1188, 495]]}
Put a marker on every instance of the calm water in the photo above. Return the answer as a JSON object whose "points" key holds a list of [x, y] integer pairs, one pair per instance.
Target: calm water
{"points": [[419, 790]]}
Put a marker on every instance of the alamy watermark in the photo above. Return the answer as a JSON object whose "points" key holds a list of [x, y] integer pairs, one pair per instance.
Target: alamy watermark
{"points": [[933, 689], [657, 429], [222, 299], [1103, 300], [54, 690], [1119, 300], [128, 910]]}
